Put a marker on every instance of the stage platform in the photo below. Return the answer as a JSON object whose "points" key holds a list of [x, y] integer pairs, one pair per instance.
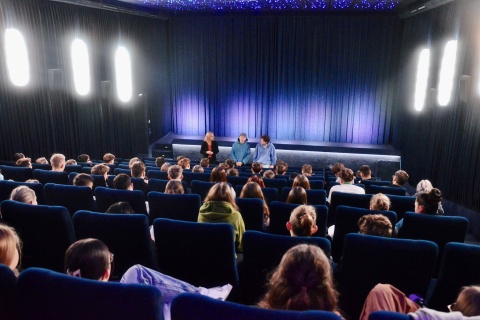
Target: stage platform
{"points": [[384, 160]]}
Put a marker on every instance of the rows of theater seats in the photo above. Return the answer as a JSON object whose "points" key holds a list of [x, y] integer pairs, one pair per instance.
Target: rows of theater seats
{"points": [[203, 254]]}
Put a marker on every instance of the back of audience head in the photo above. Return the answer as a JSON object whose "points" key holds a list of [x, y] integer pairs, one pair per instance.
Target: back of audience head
{"points": [[165, 166], [132, 161], [257, 167], [184, 163], [346, 175], [100, 169], [83, 158], [293, 175], [138, 169], [400, 177], [307, 170], [24, 162], [428, 202], [17, 156], [468, 301], [303, 221], [204, 162], [221, 192], [380, 202], [375, 225], [71, 162], [198, 168], [280, 169], [58, 162], [174, 187], [159, 161], [109, 158], [337, 167], [10, 248], [120, 207], [302, 281], [83, 180], [365, 172], [122, 182], [175, 172], [180, 158], [297, 195], [252, 190], [88, 259], [258, 180], [232, 172], [301, 181], [223, 166], [230, 163], [23, 194], [41, 160], [269, 174], [424, 186], [282, 163], [218, 174]]}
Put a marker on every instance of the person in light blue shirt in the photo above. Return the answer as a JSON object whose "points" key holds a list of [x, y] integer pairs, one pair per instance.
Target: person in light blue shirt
{"points": [[265, 153], [240, 150]]}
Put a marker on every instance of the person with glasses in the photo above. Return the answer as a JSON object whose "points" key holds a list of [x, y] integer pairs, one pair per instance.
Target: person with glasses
{"points": [[385, 297]]}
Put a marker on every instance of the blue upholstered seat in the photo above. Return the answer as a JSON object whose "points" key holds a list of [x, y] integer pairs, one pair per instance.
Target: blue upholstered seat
{"points": [[20, 174], [397, 191], [8, 290], [252, 211], [314, 197], [201, 187], [347, 199], [106, 197], [71, 197], [174, 206], [46, 176], [7, 186]]}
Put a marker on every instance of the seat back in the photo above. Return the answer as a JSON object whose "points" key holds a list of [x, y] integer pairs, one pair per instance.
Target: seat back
{"points": [[174, 206], [278, 184], [401, 204], [139, 184], [316, 184], [439, 229], [46, 176], [397, 191], [346, 221], [117, 171], [73, 168], [188, 177], [189, 306], [159, 185], [155, 174], [252, 211], [280, 215], [71, 197], [106, 197], [314, 197], [7, 186], [262, 253], [237, 181], [8, 290], [46, 232], [20, 174], [368, 260], [126, 235], [368, 183], [209, 247], [347, 199], [50, 295], [460, 267], [201, 187]]}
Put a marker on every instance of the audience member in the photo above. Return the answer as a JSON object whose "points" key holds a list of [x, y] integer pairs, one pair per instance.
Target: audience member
{"points": [[257, 167], [24, 162], [137, 170], [375, 225], [297, 195], [399, 179], [120, 207], [303, 221], [425, 186], [180, 158], [280, 170], [109, 158], [23, 194], [71, 162], [159, 161], [265, 153], [17, 156], [209, 147], [175, 173], [232, 172], [365, 173], [58, 162], [220, 206], [165, 166], [198, 169], [10, 248], [292, 176], [123, 182], [380, 202], [252, 190], [240, 152], [41, 160], [184, 163], [346, 184], [230, 163], [257, 180], [132, 161], [301, 181], [174, 187], [282, 163], [336, 168], [84, 158], [218, 174], [269, 174], [32, 181], [307, 170], [100, 169], [83, 180], [426, 203], [204, 162]]}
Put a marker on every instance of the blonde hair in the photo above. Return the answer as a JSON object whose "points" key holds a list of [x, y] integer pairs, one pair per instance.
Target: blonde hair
{"points": [[424, 186], [380, 202], [9, 242], [209, 133], [23, 194], [303, 218], [57, 160], [375, 225]]}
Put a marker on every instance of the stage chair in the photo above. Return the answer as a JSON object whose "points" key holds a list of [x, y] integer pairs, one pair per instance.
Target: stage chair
{"points": [[314, 197], [202, 254], [396, 191], [126, 235], [117, 171], [438, 229], [73, 168], [460, 267], [183, 207], [46, 233], [51, 295], [401, 204], [71, 197], [346, 221], [348, 199], [280, 215], [369, 260], [8, 293], [188, 306], [7, 186], [388, 315], [154, 174], [106, 197], [45, 176], [201, 188], [262, 253], [237, 181], [252, 211], [159, 185], [20, 174], [278, 184]]}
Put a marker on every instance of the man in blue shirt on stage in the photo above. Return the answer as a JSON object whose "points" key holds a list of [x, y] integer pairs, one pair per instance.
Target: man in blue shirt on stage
{"points": [[265, 153], [240, 150]]}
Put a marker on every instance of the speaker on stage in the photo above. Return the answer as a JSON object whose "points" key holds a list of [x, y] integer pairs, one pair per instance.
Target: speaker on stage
{"points": [[55, 79], [464, 87]]}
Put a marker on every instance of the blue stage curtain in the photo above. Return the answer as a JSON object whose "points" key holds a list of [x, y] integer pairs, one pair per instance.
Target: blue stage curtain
{"points": [[314, 78]]}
